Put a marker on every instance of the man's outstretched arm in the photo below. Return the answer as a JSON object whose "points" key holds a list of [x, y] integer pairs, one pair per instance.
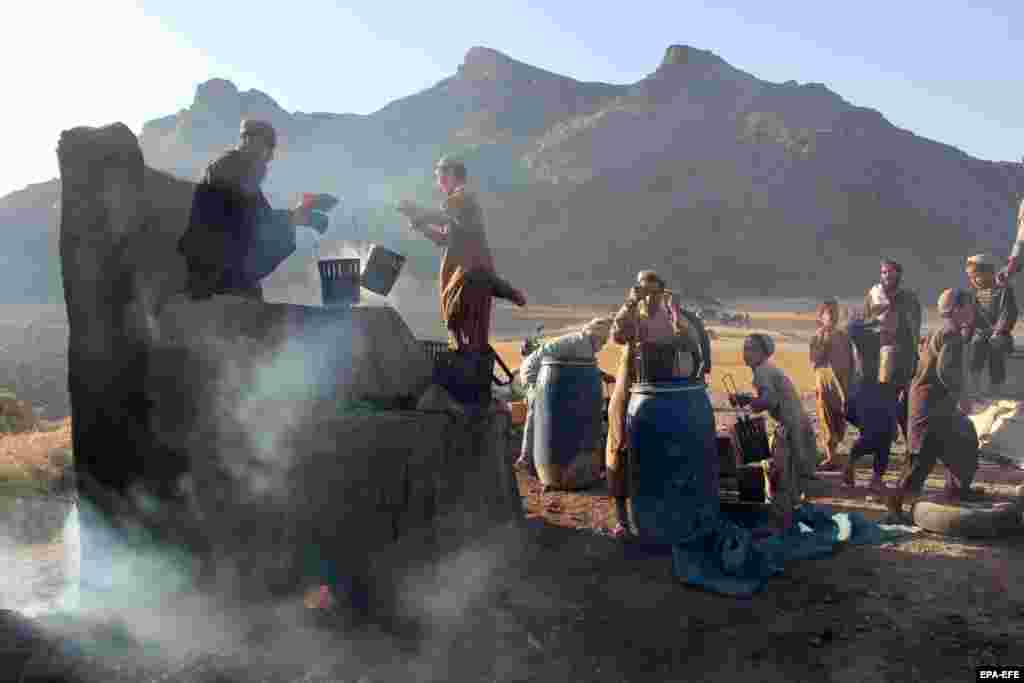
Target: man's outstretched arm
{"points": [[1014, 265]]}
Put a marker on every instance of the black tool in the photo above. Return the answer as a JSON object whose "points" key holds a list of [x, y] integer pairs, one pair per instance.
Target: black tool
{"points": [[751, 434]]}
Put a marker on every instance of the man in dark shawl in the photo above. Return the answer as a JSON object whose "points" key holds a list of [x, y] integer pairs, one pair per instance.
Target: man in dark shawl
{"points": [[234, 238]]}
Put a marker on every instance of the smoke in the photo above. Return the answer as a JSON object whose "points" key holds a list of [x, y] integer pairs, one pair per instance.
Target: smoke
{"points": [[147, 587], [147, 614]]}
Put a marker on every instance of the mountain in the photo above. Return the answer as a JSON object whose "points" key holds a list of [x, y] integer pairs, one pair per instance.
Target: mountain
{"points": [[726, 183]]}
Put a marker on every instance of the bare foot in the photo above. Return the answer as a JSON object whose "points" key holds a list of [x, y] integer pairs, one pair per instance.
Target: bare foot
{"points": [[622, 532], [849, 478]]}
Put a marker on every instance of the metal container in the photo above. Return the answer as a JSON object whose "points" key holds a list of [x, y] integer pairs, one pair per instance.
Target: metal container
{"points": [[339, 281], [750, 483], [381, 270], [467, 376]]}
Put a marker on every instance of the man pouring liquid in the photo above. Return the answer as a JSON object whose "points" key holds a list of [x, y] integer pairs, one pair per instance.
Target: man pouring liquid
{"points": [[234, 238]]}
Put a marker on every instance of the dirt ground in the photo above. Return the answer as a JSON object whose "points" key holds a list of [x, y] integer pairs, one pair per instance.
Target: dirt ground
{"points": [[577, 605]]}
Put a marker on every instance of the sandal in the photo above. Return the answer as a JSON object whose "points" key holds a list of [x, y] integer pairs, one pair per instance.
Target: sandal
{"points": [[526, 467], [623, 533]]}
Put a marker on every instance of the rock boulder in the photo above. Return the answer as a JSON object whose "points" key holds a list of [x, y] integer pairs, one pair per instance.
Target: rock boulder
{"points": [[266, 441]]}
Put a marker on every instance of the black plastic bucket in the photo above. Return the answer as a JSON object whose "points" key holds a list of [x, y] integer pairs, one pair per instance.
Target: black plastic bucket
{"points": [[381, 270], [339, 281]]}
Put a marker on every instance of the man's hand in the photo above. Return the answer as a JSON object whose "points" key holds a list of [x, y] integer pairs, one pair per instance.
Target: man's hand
{"points": [[740, 400], [410, 210], [634, 296], [309, 218], [1004, 275], [519, 299], [319, 202], [301, 215]]}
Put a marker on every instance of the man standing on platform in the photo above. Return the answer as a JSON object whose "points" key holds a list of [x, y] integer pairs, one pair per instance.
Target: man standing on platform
{"points": [[468, 281], [234, 238]]}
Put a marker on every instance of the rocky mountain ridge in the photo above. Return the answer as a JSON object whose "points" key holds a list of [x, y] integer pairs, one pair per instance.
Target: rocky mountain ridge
{"points": [[727, 183]]}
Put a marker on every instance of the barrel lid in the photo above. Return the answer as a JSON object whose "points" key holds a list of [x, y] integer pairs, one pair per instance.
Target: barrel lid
{"points": [[667, 387], [579, 362]]}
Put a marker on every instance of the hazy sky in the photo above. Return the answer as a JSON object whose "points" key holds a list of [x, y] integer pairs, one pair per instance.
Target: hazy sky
{"points": [[955, 75]]}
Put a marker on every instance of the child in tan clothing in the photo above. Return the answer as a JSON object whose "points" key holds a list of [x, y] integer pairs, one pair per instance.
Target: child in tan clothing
{"points": [[832, 361], [794, 453]]}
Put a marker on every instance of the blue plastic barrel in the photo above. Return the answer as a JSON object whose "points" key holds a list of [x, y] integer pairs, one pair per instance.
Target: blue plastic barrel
{"points": [[567, 405], [673, 460]]}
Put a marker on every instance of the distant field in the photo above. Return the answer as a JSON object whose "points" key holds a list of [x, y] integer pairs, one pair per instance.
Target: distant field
{"points": [[26, 313]]}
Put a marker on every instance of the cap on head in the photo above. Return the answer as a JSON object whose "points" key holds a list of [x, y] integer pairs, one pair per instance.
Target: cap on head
{"points": [[981, 262], [598, 328], [451, 166], [762, 342], [650, 275], [951, 299], [260, 129]]}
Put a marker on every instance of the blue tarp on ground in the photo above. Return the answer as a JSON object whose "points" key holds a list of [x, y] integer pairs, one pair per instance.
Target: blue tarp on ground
{"points": [[727, 559]]}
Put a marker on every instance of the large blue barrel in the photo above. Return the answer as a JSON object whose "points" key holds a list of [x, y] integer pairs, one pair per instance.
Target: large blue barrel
{"points": [[673, 460], [567, 405]]}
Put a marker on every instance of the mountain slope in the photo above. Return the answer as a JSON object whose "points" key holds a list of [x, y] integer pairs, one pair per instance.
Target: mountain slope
{"points": [[728, 183]]}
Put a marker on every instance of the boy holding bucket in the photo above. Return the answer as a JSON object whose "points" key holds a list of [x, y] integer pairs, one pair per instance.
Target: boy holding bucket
{"points": [[793, 448]]}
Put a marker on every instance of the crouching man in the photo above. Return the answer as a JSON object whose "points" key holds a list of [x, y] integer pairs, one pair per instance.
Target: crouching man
{"points": [[583, 468], [936, 424]]}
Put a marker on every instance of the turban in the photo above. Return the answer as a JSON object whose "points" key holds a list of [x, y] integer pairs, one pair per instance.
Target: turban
{"points": [[260, 129]]}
